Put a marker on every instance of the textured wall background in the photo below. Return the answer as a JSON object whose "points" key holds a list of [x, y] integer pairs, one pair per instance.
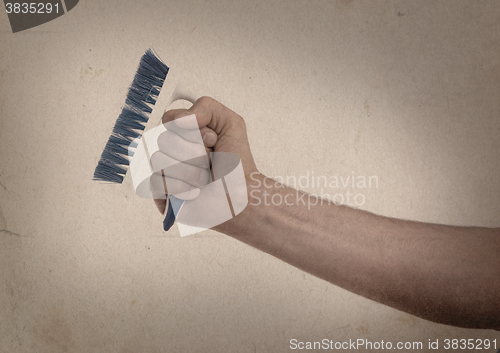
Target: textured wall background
{"points": [[402, 90]]}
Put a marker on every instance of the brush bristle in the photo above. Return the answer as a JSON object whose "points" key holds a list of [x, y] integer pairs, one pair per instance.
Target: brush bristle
{"points": [[130, 124]]}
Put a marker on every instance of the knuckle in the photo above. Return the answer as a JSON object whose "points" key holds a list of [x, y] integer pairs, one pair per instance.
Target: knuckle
{"points": [[205, 101], [170, 115]]}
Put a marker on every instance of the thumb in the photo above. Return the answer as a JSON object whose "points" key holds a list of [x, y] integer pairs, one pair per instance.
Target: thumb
{"points": [[213, 114]]}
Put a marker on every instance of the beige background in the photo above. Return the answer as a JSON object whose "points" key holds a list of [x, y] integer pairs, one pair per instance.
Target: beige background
{"points": [[405, 91]]}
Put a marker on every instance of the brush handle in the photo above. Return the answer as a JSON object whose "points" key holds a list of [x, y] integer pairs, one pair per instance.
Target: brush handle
{"points": [[169, 220], [180, 92]]}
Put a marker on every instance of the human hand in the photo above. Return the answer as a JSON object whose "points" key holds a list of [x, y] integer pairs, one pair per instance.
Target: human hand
{"points": [[222, 130]]}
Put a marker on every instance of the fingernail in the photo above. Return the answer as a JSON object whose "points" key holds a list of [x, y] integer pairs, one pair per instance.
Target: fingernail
{"points": [[208, 138]]}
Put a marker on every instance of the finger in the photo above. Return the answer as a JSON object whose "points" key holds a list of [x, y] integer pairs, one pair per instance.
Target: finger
{"points": [[176, 147], [162, 185], [209, 136], [158, 186], [193, 136], [205, 135], [172, 168], [189, 195], [187, 121], [181, 189], [160, 160], [211, 113], [170, 115]]}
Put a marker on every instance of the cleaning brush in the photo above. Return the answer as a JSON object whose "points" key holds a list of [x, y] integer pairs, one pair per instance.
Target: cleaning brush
{"points": [[130, 124]]}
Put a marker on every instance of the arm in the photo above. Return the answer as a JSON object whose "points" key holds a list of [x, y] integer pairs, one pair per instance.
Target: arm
{"points": [[440, 273]]}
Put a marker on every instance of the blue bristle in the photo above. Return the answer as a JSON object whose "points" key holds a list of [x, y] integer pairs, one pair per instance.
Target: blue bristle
{"points": [[114, 157], [133, 115], [107, 171], [127, 122], [145, 88], [139, 100], [119, 140], [125, 132], [116, 148], [139, 103]]}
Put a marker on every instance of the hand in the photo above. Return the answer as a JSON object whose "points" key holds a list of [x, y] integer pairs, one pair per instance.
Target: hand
{"points": [[222, 130]]}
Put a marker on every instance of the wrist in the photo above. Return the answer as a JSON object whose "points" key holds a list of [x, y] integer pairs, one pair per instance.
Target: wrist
{"points": [[253, 213]]}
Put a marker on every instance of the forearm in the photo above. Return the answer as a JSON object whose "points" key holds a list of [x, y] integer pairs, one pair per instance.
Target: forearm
{"points": [[440, 273]]}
